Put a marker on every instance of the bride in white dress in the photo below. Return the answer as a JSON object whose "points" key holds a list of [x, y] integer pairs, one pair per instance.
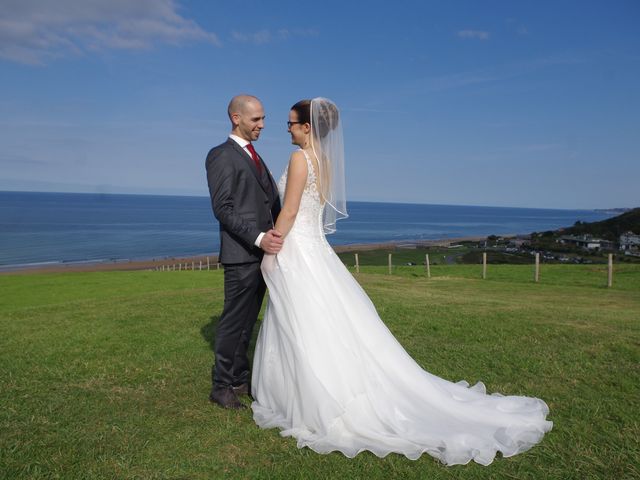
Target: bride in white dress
{"points": [[327, 370]]}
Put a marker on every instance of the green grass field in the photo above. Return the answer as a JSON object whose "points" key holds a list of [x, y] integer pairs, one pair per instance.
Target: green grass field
{"points": [[106, 375]]}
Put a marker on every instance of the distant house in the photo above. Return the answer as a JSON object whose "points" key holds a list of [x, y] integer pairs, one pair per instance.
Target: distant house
{"points": [[519, 241], [630, 243], [586, 242]]}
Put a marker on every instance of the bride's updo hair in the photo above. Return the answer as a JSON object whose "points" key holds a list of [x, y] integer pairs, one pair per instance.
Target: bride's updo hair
{"points": [[303, 109], [327, 117]]}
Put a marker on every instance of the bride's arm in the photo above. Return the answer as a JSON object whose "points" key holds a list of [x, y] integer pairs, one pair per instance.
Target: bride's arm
{"points": [[296, 181]]}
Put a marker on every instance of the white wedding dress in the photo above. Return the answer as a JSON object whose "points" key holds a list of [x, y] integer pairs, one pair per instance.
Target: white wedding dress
{"points": [[328, 372]]}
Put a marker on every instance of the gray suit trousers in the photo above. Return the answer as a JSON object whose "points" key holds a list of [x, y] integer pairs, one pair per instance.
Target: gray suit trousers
{"points": [[244, 290]]}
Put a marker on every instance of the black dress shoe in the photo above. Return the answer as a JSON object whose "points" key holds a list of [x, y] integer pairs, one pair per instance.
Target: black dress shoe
{"points": [[226, 398], [243, 389]]}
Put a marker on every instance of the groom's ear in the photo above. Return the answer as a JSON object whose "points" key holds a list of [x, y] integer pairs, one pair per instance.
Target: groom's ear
{"points": [[235, 119]]}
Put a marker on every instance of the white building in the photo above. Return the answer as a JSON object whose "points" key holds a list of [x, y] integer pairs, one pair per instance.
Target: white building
{"points": [[587, 242], [630, 243]]}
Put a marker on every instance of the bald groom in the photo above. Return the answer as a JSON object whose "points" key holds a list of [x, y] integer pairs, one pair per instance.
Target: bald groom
{"points": [[245, 201]]}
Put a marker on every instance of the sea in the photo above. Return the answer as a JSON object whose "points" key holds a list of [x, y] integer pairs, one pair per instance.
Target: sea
{"points": [[38, 229]]}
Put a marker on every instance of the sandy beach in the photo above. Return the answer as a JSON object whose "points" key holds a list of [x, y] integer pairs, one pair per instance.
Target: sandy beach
{"points": [[189, 262]]}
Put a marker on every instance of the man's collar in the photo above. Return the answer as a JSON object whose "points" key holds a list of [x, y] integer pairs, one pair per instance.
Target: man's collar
{"points": [[240, 141]]}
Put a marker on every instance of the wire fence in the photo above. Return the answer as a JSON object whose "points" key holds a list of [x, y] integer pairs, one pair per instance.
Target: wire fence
{"points": [[607, 275]]}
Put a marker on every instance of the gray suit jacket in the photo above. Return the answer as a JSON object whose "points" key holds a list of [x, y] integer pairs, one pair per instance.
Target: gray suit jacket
{"points": [[244, 202]]}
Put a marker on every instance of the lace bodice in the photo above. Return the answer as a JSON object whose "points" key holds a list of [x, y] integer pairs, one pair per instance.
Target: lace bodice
{"points": [[308, 222]]}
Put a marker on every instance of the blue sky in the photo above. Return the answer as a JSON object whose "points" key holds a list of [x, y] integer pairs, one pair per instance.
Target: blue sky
{"points": [[505, 103]]}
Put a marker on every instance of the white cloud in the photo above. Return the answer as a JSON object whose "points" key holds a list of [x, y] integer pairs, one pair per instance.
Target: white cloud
{"points": [[267, 36], [476, 34], [519, 28], [488, 75], [34, 31], [497, 73], [259, 38]]}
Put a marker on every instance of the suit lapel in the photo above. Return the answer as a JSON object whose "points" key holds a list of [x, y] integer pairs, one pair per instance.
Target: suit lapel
{"points": [[249, 162], [272, 181]]}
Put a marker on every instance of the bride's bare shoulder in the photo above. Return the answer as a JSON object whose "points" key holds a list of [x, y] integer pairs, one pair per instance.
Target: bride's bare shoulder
{"points": [[297, 164], [297, 156]]}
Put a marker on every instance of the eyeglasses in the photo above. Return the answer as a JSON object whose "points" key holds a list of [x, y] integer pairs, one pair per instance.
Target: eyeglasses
{"points": [[293, 123]]}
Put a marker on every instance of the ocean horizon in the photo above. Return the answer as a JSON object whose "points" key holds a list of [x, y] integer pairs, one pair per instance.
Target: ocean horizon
{"points": [[47, 228]]}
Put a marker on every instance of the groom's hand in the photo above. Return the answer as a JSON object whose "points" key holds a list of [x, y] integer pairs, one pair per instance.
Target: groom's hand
{"points": [[271, 242]]}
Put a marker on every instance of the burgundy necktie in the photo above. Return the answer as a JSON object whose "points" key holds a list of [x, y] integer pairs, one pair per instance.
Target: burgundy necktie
{"points": [[255, 157]]}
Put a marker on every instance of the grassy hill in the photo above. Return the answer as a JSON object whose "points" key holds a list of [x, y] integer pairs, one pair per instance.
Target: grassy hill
{"points": [[609, 229], [106, 374]]}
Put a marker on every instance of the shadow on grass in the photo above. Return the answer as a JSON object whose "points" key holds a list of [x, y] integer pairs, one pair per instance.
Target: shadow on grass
{"points": [[208, 332]]}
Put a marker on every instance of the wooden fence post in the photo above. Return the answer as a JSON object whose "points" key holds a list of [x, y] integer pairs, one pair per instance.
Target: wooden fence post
{"points": [[610, 271], [536, 274], [357, 264], [207, 263], [426, 262], [390, 264], [200, 265], [484, 265]]}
